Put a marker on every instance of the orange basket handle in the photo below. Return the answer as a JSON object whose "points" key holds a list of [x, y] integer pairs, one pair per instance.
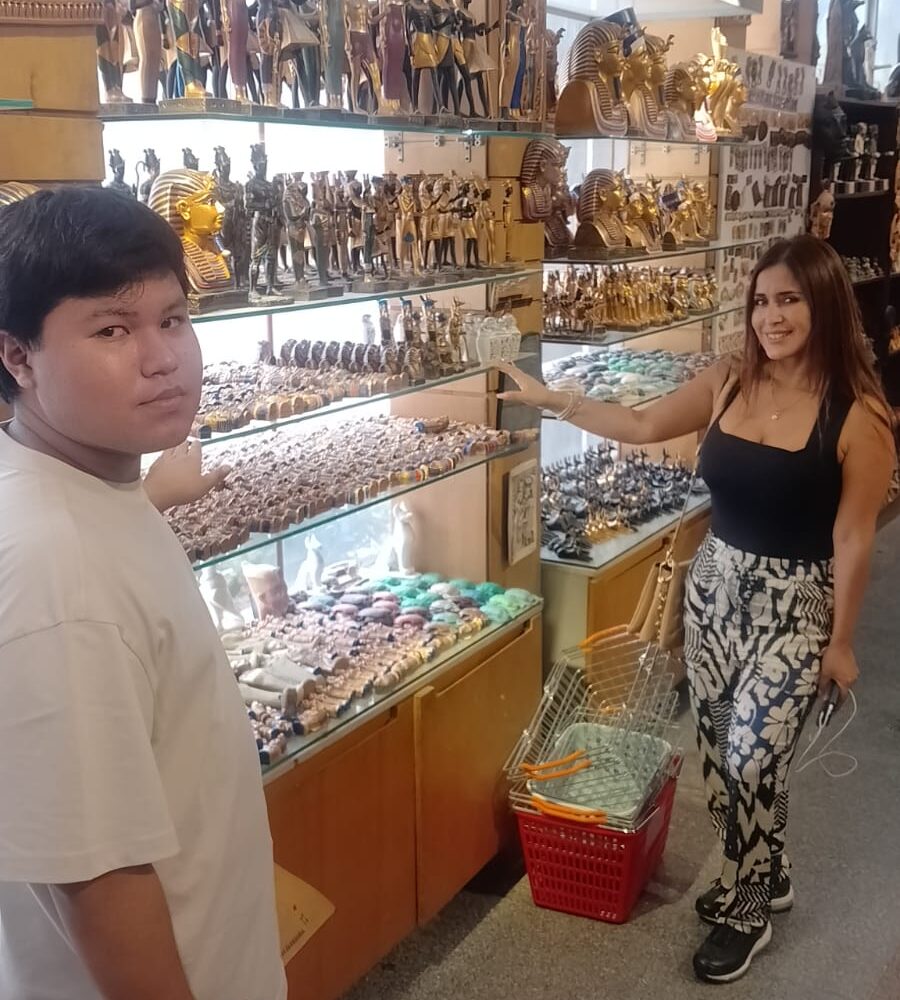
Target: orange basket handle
{"points": [[597, 636], [565, 773], [594, 816], [573, 756]]}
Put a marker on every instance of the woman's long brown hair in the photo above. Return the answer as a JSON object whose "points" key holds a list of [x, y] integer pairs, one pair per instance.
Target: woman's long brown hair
{"points": [[839, 356]]}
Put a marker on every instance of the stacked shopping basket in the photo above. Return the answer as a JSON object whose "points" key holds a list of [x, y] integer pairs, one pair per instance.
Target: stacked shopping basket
{"points": [[592, 779]]}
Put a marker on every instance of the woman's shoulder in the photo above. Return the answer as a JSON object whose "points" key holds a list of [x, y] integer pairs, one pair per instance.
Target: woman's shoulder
{"points": [[869, 423]]}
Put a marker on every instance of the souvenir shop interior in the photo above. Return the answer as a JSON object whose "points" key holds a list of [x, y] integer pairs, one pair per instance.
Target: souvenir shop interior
{"points": [[380, 200]]}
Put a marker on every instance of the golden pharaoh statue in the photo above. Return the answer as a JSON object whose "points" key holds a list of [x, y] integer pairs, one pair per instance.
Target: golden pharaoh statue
{"points": [[591, 102], [186, 199]]}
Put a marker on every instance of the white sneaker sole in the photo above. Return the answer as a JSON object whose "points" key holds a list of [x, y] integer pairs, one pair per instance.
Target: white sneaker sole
{"points": [[783, 903], [730, 977]]}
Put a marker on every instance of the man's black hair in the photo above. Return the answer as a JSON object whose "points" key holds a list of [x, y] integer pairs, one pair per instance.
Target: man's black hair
{"points": [[75, 242]]}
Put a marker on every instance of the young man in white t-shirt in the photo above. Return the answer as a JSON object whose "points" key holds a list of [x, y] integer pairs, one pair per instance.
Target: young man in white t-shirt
{"points": [[135, 855]]}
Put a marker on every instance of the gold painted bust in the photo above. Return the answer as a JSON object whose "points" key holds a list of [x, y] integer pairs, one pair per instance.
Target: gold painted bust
{"points": [[600, 229], [645, 68], [680, 94], [727, 93], [545, 192], [591, 102], [186, 199]]}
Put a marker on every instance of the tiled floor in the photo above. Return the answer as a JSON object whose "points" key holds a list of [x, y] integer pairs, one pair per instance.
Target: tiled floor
{"points": [[841, 941]]}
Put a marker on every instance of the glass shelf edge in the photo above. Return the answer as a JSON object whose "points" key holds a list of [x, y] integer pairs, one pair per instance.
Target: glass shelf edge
{"points": [[353, 298], [276, 117], [336, 514], [301, 748], [641, 534], [15, 104], [716, 246], [351, 403], [612, 337], [657, 142]]}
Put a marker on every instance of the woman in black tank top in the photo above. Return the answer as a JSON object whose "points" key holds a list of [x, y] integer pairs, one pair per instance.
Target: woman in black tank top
{"points": [[798, 456]]}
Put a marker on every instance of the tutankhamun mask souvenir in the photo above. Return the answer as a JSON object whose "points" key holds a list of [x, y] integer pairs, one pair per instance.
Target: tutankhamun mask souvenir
{"points": [[545, 192], [186, 199], [591, 102], [600, 226]]}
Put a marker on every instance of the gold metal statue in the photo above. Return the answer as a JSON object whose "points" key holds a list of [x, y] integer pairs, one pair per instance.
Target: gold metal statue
{"points": [[545, 192], [646, 114], [591, 102], [599, 224], [186, 199]]}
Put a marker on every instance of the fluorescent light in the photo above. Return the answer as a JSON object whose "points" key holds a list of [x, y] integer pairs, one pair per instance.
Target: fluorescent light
{"points": [[648, 10]]}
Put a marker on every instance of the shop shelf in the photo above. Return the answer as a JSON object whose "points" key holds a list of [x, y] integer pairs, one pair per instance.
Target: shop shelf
{"points": [[346, 404], [14, 104], [260, 540], [645, 401], [620, 543], [624, 336], [860, 282], [260, 115], [249, 312], [856, 195], [656, 142], [362, 709], [714, 246]]}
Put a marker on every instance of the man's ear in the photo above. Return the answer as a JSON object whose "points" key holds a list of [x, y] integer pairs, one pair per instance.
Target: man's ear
{"points": [[14, 358]]}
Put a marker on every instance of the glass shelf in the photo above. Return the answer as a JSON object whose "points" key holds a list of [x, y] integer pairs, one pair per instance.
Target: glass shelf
{"points": [[11, 104], [362, 709], [546, 415], [248, 312], [854, 195], [624, 336], [862, 282], [712, 247], [347, 403], [260, 540], [620, 543], [656, 142], [261, 115]]}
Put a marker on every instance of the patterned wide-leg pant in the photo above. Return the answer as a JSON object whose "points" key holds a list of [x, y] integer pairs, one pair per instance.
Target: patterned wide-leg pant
{"points": [[755, 632]]}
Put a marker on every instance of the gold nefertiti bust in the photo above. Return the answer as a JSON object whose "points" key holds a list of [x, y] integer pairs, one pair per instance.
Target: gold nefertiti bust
{"points": [[186, 199], [591, 102]]}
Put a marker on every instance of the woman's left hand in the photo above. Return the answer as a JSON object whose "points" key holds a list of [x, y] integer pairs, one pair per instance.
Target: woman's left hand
{"points": [[838, 665], [177, 477]]}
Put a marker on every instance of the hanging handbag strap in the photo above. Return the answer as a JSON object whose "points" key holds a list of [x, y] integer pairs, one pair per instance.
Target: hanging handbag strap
{"points": [[667, 566]]}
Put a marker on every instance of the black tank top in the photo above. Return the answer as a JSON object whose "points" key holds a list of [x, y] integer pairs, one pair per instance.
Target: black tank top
{"points": [[773, 502]]}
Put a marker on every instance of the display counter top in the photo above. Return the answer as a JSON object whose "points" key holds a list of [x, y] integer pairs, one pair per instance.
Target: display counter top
{"points": [[15, 104], [301, 748], [621, 543]]}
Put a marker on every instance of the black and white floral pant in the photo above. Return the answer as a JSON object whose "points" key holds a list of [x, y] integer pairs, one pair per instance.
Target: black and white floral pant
{"points": [[755, 632]]}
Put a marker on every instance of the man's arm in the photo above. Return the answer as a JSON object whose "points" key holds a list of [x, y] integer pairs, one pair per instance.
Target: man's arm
{"points": [[121, 928]]}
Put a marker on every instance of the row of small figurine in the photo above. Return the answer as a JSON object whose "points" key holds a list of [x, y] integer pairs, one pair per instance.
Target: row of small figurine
{"points": [[345, 56], [619, 84], [616, 216], [624, 298], [370, 235]]}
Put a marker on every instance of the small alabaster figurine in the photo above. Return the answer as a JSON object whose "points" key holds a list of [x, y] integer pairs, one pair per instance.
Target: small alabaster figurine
{"points": [[591, 102], [821, 212], [268, 590]]}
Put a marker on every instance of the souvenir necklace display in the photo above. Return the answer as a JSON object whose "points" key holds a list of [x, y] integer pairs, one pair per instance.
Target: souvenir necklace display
{"points": [[586, 497]]}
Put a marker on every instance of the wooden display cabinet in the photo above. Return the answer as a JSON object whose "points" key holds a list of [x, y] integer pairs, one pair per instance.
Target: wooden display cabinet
{"points": [[392, 819]]}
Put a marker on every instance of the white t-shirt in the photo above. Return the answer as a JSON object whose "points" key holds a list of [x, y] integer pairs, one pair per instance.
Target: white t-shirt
{"points": [[123, 739]]}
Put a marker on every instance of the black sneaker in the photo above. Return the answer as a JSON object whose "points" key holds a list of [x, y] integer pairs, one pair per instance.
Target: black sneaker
{"points": [[728, 953], [708, 905]]}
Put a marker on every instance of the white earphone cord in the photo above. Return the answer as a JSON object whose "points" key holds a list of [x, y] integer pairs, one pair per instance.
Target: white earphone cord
{"points": [[824, 753]]}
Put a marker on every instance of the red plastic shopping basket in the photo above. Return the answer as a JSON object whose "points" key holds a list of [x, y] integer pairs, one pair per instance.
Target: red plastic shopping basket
{"points": [[593, 871]]}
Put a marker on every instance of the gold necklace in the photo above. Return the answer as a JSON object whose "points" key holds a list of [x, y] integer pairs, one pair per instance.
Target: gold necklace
{"points": [[776, 410]]}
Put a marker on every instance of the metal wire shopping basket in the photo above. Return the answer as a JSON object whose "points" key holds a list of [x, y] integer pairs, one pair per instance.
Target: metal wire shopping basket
{"points": [[596, 749], [592, 778]]}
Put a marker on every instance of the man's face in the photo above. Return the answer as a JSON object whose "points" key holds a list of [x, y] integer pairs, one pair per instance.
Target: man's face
{"points": [[120, 373]]}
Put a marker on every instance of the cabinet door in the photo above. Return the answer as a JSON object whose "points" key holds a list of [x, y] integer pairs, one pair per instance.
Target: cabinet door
{"points": [[344, 822], [464, 731]]}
